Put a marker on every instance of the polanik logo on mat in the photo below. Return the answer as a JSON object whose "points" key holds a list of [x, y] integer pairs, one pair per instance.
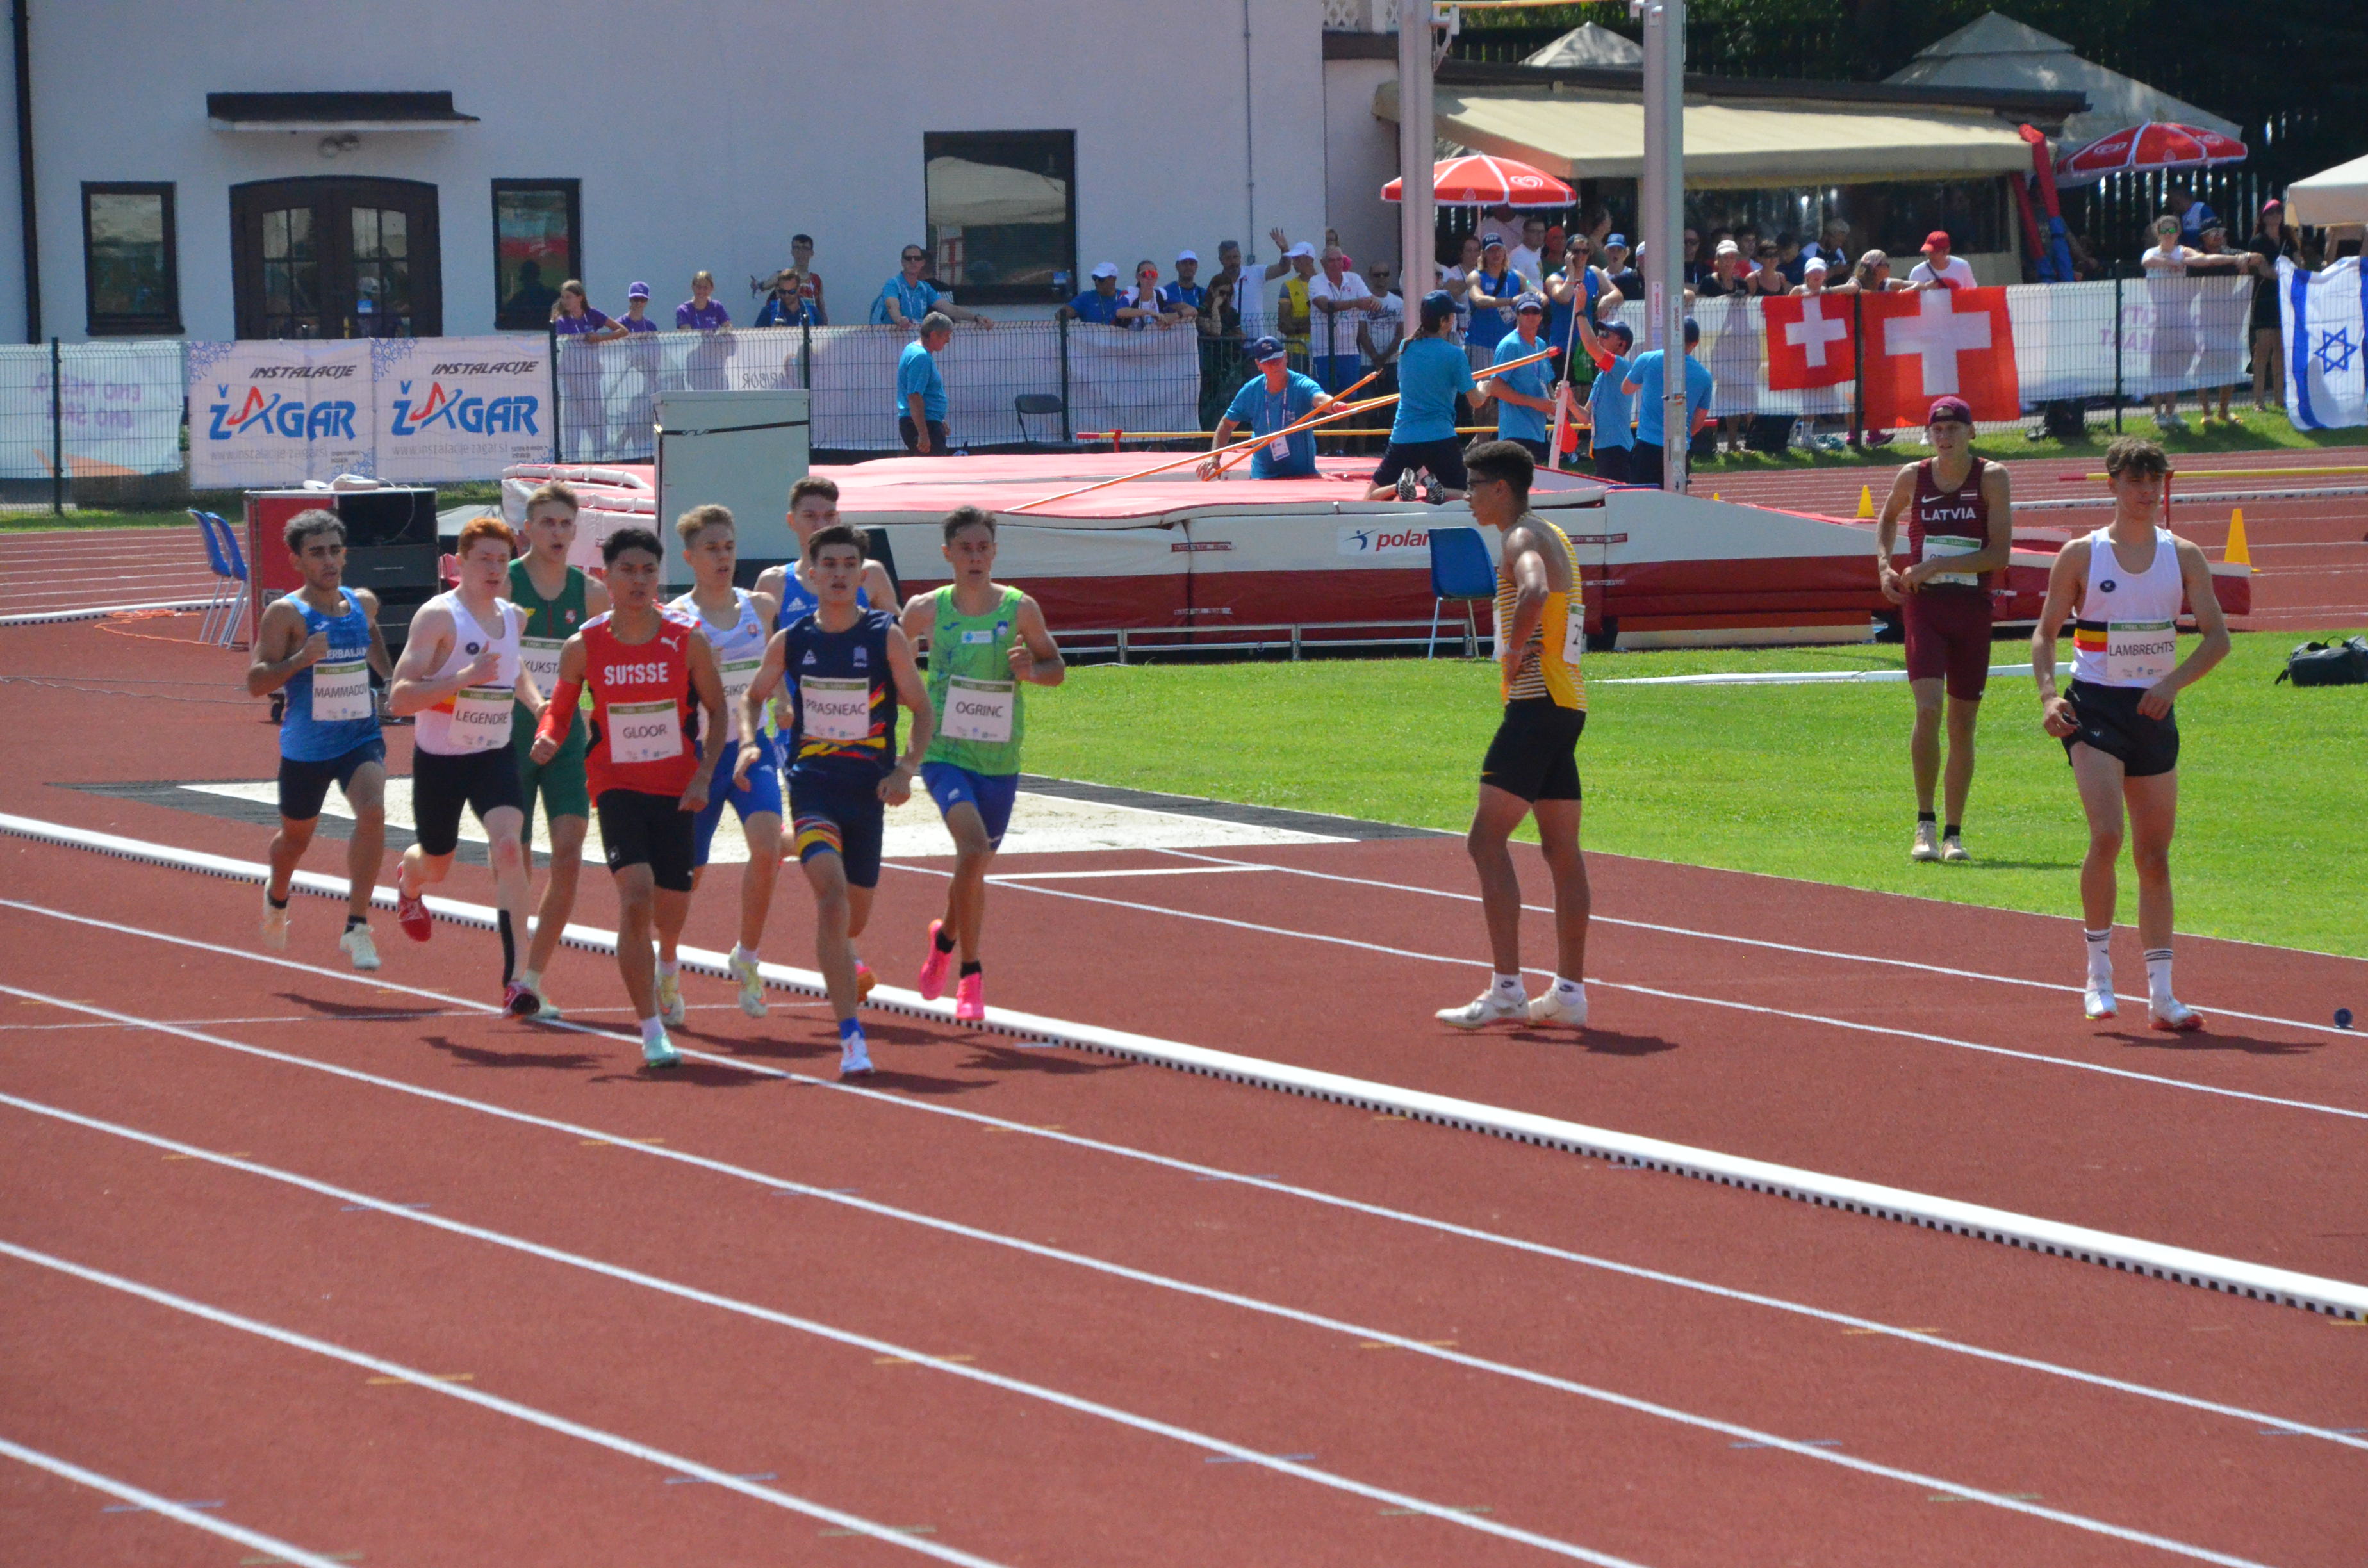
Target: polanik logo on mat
{"points": [[1354, 541], [276, 414], [454, 408]]}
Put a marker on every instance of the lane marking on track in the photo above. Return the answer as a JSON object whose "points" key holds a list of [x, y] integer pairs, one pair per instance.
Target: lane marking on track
{"points": [[1147, 872], [1233, 1458], [2208, 1008], [1822, 1019], [1629, 1402], [180, 1513], [702, 1481], [674, 1463], [918, 1361], [140, 1508], [1924, 1337], [424, 1378], [957, 1366]]}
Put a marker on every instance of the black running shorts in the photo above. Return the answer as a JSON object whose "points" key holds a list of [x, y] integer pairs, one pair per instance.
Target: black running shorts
{"points": [[484, 781], [642, 829], [2109, 722], [1535, 753], [304, 785]]}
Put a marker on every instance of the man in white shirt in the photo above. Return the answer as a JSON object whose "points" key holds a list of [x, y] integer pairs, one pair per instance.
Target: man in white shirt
{"points": [[1528, 257], [1939, 269], [1339, 299]]}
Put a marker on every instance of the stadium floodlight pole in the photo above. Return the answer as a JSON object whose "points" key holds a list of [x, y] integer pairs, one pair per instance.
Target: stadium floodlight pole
{"points": [[1662, 220], [1418, 241]]}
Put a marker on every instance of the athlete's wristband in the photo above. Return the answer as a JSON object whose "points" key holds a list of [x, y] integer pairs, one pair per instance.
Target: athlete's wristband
{"points": [[559, 713]]}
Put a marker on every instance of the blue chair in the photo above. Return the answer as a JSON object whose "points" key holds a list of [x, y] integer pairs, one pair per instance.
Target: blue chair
{"points": [[222, 617], [1460, 569]]}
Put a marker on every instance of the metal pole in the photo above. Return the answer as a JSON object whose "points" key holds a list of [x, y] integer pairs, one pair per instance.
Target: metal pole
{"points": [[1418, 221], [57, 435], [2117, 349], [1662, 203], [1068, 433], [556, 412]]}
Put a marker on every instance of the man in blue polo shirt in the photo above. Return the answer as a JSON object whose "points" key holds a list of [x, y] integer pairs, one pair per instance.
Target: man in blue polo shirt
{"points": [[1522, 404], [1644, 384], [907, 297], [1099, 305], [921, 391], [1275, 399]]}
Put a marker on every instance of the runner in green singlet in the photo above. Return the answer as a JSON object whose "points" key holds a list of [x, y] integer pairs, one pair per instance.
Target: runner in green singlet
{"points": [[556, 600], [986, 640]]}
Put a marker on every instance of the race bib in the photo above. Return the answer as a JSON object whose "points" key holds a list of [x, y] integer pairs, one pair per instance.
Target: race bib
{"points": [[980, 709], [2139, 652], [481, 718], [1574, 633], [541, 657], [341, 691], [835, 710], [739, 675], [1937, 546], [644, 731]]}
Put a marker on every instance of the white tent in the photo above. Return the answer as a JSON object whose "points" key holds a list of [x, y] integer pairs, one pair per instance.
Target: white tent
{"points": [[1587, 44], [1998, 52], [963, 193], [2338, 195]]}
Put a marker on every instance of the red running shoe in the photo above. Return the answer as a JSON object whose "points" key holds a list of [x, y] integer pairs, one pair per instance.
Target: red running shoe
{"points": [[932, 984], [411, 914], [520, 1002], [970, 999]]}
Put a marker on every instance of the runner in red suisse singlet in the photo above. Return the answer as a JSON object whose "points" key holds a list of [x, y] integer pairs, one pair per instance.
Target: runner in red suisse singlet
{"points": [[1959, 519], [653, 676]]}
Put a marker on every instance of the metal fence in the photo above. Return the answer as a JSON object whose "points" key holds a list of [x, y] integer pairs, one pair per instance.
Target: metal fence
{"points": [[87, 417]]}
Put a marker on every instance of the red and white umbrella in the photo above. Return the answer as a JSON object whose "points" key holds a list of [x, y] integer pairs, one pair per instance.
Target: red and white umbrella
{"points": [[2157, 145], [1477, 179]]}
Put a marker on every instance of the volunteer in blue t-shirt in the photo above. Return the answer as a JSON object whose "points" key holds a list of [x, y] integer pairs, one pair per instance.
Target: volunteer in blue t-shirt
{"points": [[1099, 305], [1610, 413], [1274, 400], [1432, 370], [1644, 384], [1523, 404], [921, 391]]}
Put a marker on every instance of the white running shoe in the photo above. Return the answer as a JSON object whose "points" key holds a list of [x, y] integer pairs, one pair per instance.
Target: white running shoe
{"points": [[670, 1008], [1952, 849], [1406, 484], [361, 946], [1927, 842], [751, 986], [854, 1059], [275, 925], [660, 1052], [1485, 1010], [2173, 1016], [1548, 1008], [2097, 998]]}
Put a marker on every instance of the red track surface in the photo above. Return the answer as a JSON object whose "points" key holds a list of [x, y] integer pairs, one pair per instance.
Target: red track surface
{"points": [[78, 569], [1097, 1227]]}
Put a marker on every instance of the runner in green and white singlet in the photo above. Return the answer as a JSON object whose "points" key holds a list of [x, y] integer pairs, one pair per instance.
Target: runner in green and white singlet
{"points": [[557, 600], [986, 642]]}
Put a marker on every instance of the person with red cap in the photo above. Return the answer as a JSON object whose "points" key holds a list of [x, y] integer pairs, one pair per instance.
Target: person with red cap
{"points": [[1960, 531], [1939, 269]]}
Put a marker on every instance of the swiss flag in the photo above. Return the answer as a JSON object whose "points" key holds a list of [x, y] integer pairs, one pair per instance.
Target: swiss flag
{"points": [[1808, 341], [1927, 343]]}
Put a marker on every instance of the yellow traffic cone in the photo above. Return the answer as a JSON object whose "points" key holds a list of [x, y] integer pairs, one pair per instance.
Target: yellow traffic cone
{"points": [[1714, 495], [1866, 501], [2236, 550]]}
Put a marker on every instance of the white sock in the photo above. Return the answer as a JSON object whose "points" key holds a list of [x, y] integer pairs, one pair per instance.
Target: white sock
{"points": [[670, 967], [653, 1030], [2157, 961], [744, 955], [531, 978], [2101, 955], [1509, 985], [1570, 990]]}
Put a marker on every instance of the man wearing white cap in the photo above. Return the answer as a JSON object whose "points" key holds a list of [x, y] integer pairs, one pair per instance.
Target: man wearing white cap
{"points": [[1340, 300], [1185, 294], [1292, 314], [1099, 304]]}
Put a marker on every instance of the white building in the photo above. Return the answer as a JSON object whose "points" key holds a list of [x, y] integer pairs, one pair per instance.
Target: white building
{"points": [[276, 167]]}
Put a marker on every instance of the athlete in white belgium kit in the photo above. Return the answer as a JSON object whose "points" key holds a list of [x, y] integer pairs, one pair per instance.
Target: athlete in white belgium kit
{"points": [[458, 673], [2125, 582]]}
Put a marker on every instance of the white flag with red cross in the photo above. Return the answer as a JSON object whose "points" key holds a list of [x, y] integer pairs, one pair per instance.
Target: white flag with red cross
{"points": [[1809, 341], [1936, 342]]}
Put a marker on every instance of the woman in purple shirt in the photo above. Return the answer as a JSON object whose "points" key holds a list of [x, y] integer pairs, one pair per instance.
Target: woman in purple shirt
{"points": [[700, 312], [584, 415], [575, 317]]}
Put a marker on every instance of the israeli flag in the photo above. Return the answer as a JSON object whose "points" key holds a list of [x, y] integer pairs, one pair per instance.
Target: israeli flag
{"points": [[2326, 319]]}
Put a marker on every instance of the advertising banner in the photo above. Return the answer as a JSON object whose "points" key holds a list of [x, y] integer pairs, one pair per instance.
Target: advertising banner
{"points": [[279, 411], [119, 409], [459, 408]]}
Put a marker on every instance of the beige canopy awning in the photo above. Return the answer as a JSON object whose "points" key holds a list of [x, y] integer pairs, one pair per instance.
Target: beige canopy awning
{"points": [[1593, 135]]}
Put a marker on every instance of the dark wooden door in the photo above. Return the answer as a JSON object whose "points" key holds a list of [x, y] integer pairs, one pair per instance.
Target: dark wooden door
{"points": [[331, 257]]}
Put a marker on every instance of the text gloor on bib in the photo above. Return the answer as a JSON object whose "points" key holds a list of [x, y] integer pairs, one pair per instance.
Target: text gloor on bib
{"points": [[2139, 652], [341, 691], [835, 710], [481, 718], [644, 731], [1940, 545], [541, 657], [980, 709]]}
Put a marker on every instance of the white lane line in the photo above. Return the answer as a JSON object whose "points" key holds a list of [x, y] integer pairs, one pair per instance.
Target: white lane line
{"points": [[275, 1019], [1275, 1185], [1075, 1404], [68, 1470], [1364, 1334], [2208, 1008], [1822, 1019], [1131, 871], [674, 1463]]}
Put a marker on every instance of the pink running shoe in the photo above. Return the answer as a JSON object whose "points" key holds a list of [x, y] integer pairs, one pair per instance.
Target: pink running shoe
{"points": [[411, 914], [970, 999], [864, 980], [932, 984]]}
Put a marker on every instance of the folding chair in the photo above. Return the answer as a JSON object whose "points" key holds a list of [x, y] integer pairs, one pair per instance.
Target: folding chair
{"points": [[227, 632], [229, 577], [1043, 405], [1460, 569]]}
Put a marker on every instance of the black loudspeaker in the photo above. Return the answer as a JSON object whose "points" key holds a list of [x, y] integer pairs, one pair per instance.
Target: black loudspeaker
{"points": [[1768, 433], [391, 550]]}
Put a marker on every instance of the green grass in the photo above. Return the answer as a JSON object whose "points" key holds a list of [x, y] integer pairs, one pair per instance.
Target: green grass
{"points": [[1797, 781], [2260, 432]]}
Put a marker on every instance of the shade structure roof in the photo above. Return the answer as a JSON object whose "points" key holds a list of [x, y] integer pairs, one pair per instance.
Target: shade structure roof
{"points": [[2338, 195], [1998, 52]]}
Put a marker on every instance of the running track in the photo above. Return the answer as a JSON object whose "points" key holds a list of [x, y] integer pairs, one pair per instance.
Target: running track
{"points": [[87, 568], [422, 1285]]}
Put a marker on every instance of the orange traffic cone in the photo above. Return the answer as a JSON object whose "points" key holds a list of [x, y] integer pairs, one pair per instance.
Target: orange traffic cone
{"points": [[2236, 550]]}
